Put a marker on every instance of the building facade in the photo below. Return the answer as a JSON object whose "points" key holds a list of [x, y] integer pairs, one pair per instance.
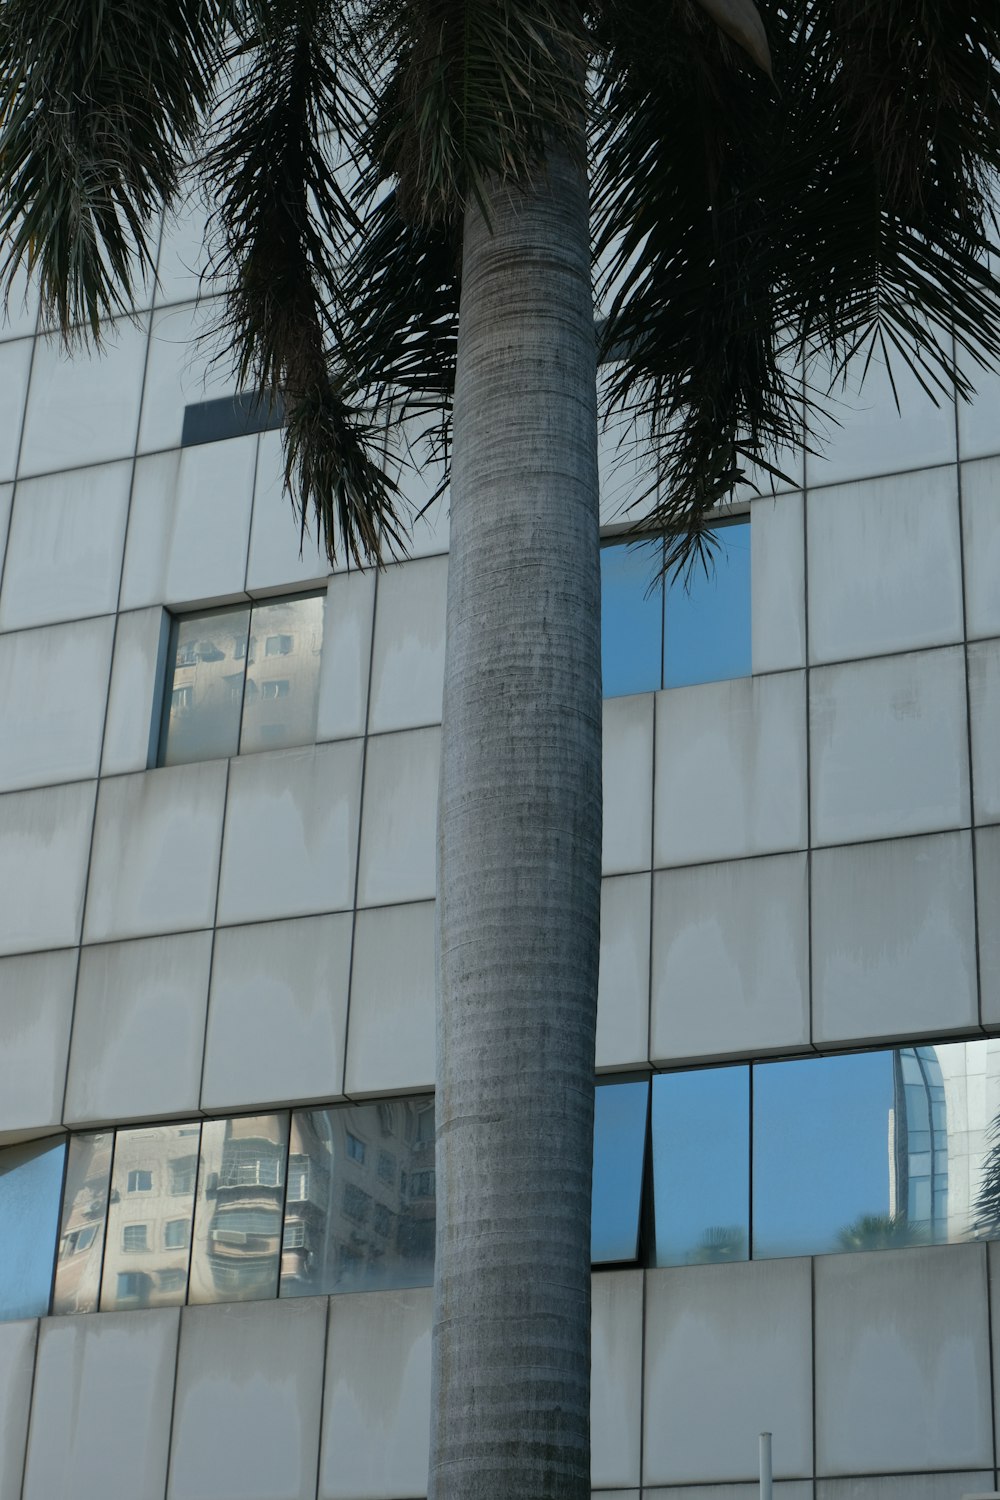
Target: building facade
{"points": [[218, 767]]}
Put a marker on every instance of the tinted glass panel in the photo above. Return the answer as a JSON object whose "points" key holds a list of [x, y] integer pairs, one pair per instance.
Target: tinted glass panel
{"points": [[620, 1111], [707, 632], [241, 1195], [631, 618], [81, 1240], [282, 690], [360, 1207], [823, 1156], [204, 696], [152, 1187], [701, 1166], [30, 1186]]}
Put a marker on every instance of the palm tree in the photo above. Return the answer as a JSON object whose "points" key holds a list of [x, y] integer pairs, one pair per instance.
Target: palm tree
{"points": [[401, 193]]}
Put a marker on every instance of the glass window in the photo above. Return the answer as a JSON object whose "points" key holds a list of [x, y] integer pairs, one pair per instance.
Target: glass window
{"points": [[707, 620], [282, 693], [205, 701], [243, 679], [355, 1223], [81, 1240], [176, 1233], [141, 1267], [631, 618], [30, 1188], [620, 1114], [697, 630], [701, 1166], [238, 1215]]}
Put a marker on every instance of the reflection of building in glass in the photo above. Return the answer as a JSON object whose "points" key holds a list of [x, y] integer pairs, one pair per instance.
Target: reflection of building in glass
{"points": [[81, 1240], [918, 1142], [361, 1197], [238, 1226], [149, 1217]]}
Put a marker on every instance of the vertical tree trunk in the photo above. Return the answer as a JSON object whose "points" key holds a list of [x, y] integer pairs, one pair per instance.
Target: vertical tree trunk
{"points": [[519, 862]]}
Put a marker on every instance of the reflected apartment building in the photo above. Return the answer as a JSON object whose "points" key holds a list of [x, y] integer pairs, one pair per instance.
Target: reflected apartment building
{"points": [[218, 776]]}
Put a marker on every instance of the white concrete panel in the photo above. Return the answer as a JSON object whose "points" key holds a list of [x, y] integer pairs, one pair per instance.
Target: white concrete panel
{"points": [[6, 500], [136, 696], [408, 659], [616, 1380], [981, 537], [44, 844], [777, 583], [626, 469], [291, 833], [894, 941], [207, 551], [419, 478], [181, 370], [378, 1377], [888, 741], [150, 524], [54, 683], [731, 959], [156, 852], [36, 1012], [902, 1361], [64, 553], [278, 1013], [139, 1029], [19, 311], [907, 1487], [181, 270], [17, 1360], [628, 783], [100, 1420], [276, 539], [399, 823], [390, 1036], [347, 646], [885, 566], [728, 1356], [730, 769], [15, 361], [83, 408], [623, 990], [874, 437], [247, 1407], [984, 706], [988, 897], [783, 1489]]}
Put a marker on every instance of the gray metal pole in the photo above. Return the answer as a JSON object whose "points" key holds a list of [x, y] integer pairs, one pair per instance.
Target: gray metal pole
{"points": [[766, 1491]]}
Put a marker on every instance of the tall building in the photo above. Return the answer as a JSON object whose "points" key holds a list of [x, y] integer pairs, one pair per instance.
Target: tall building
{"points": [[218, 769]]}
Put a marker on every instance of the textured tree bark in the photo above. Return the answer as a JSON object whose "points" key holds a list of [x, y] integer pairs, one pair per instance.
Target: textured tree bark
{"points": [[519, 862]]}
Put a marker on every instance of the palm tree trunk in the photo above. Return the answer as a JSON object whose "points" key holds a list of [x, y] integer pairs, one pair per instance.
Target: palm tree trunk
{"points": [[519, 861]]}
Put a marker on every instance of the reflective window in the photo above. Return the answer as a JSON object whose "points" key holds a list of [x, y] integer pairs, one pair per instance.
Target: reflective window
{"points": [[143, 1266], [697, 630], [824, 1157], [631, 618], [81, 1241], [707, 625], [241, 1193], [243, 679], [30, 1187], [620, 1114], [701, 1166], [360, 1207]]}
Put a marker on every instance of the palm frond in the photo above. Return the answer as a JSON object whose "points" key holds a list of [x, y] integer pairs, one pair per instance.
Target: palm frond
{"points": [[475, 88], [99, 103], [286, 227], [746, 228]]}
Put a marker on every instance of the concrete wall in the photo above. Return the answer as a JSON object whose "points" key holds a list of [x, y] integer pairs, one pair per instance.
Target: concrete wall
{"points": [[806, 859]]}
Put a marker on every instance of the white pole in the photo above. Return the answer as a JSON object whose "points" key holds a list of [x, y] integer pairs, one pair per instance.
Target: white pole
{"points": [[766, 1491]]}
